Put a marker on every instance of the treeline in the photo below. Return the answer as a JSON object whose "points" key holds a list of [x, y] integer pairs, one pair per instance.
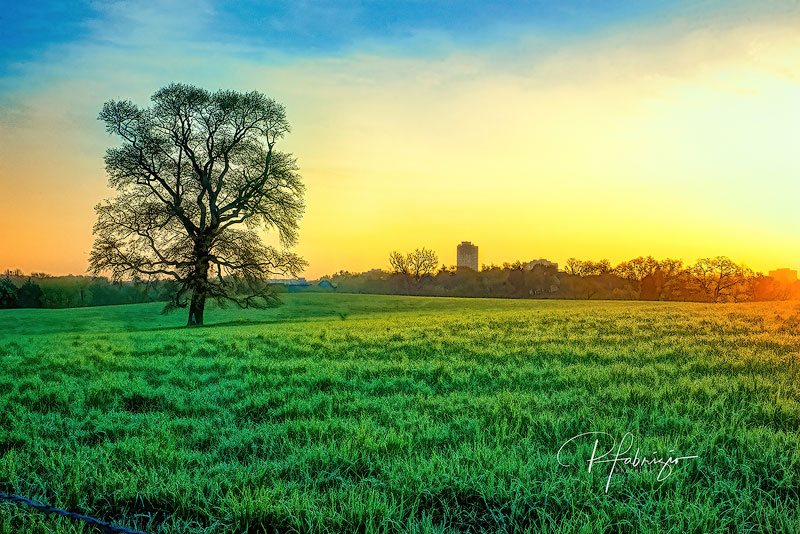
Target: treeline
{"points": [[717, 279], [40, 290]]}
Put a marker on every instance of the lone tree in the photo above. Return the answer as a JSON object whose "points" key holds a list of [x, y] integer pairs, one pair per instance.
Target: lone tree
{"points": [[198, 177]]}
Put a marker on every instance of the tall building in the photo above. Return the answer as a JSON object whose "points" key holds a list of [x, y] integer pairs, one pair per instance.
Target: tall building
{"points": [[784, 276], [467, 255]]}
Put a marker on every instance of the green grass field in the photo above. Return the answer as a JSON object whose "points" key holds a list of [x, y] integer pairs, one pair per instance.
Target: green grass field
{"points": [[351, 413]]}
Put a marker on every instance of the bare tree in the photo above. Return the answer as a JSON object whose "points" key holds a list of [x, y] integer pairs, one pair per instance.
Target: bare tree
{"points": [[587, 268], [720, 277], [573, 266], [198, 177], [398, 263], [600, 267], [415, 265], [421, 263]]}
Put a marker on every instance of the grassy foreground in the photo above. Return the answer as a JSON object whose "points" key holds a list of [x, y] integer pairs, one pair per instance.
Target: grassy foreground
{"points": [[350, 413]]}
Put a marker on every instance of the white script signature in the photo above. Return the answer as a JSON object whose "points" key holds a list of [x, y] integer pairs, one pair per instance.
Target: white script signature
{"points": [[616, 455]]}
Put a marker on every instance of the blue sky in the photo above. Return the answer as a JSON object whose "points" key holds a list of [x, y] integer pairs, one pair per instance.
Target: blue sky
{"points": [[324, 28]]}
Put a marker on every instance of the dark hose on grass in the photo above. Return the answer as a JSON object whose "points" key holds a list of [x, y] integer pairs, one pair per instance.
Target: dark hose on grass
{"points": [[102, 525]]}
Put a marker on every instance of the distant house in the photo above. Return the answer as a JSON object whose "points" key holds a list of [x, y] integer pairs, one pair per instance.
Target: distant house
{"points": [[541, 261], [293, 285], [326, 285], [290, 281]]}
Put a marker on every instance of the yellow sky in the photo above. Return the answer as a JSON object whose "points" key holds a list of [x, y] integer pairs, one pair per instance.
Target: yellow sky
{"points": [[679, 142]]}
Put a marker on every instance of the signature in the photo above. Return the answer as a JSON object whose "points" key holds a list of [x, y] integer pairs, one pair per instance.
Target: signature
{"points": [[619, 455]]}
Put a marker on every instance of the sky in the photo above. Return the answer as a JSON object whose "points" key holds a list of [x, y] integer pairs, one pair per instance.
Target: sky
{"points": [[531, 128]]}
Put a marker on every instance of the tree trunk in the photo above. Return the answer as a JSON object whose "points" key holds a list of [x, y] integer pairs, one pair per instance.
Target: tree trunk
{"points": [[199, 284], [196, 310]]}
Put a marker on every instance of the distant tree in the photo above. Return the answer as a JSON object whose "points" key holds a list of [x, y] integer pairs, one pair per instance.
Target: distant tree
{"points": [[418, 264], [578, 287], [744, 291], [573, 266], [662, 281], [30, 295], [8, 293], [719, 277], [515, 266], [198, 176], [445, 269], [84, 293], [760, 287], [587, 268], [398, 263], [56, 297], [637, 268]]}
